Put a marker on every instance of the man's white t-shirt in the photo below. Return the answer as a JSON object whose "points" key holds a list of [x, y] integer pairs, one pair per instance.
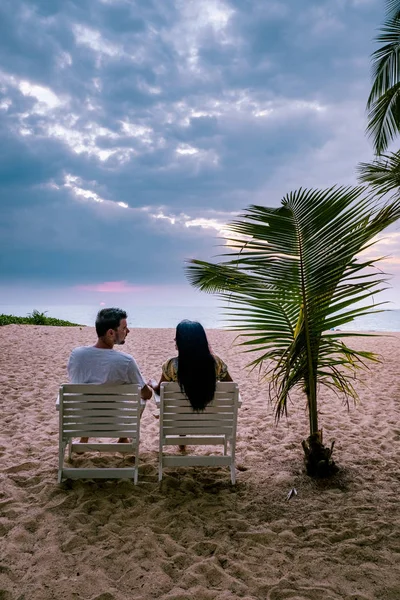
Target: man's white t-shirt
{"points": [[88, 364]]}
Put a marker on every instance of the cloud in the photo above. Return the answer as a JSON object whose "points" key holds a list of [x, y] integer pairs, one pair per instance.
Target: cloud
{"points": [[132, 133], [385, 246]]}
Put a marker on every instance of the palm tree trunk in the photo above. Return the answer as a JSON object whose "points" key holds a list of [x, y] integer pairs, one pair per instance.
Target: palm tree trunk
{"points": [[311, 387], [318, 458], [312, 406]]}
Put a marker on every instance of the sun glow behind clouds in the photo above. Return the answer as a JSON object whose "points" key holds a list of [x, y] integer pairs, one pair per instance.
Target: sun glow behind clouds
{"points": [[386, 245], [76, 185], [113, 287]]}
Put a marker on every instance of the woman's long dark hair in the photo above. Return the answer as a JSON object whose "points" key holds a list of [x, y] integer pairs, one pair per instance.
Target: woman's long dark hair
{"points": [[196, 364]]}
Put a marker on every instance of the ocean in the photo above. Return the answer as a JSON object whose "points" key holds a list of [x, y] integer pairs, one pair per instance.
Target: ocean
{"points": [[156, 317]]}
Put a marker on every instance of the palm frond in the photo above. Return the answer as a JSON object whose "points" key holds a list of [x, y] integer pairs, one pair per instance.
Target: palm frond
{"points": [[293, 275], [383, 104], [386, 60], [384, 118], [382, 174], [393, 8]]}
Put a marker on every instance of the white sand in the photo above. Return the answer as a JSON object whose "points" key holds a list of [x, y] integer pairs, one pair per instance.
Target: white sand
{"points": [[195, 536]]}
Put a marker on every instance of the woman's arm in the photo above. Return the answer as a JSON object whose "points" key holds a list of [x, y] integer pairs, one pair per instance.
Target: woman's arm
{"points": [[226, 377], [222, 370]]}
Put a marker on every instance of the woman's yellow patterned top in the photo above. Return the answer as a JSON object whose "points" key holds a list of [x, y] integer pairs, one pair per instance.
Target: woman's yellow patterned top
{"points": [[170, 369]]}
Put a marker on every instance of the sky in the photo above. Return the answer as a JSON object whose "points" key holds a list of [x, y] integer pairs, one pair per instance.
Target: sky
{"points": [[132, 131]]}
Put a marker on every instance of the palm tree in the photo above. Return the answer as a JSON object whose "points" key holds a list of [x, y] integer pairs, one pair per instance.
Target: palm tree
{"points": [[384, 105], [292, 277], [383, 174], [384, 100]]}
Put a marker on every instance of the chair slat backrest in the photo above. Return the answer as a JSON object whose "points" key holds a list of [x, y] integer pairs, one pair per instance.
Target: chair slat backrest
{"points": [[215, 425], [179, 417], [99, 411]]}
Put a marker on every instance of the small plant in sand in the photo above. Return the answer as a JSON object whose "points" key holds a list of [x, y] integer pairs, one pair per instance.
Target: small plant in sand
{"points": [[35, 318], [292, 277]]}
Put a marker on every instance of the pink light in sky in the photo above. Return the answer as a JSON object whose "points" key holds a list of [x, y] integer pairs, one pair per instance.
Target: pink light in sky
{"points": [[115, 287]]}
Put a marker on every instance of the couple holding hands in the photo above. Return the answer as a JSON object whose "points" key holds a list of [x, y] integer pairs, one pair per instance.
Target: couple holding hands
{"points": [[195, 368]]}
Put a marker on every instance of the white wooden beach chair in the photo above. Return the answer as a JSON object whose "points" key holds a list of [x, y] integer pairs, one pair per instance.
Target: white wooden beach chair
{"points": [[216, 425], [99, 411]]}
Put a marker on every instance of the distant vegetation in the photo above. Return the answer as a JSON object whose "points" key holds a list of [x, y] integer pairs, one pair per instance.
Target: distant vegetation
{"points": [[35, 318]]}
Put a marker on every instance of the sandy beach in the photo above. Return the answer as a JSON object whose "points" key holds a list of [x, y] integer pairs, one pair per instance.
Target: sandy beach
{"points": [[195, 536]]}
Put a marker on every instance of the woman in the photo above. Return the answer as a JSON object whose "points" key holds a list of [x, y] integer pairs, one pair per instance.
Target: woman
{"points": [[195, 368]]}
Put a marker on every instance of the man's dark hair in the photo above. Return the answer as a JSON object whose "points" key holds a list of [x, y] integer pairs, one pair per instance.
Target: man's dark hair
{"points": [[108, 318]]}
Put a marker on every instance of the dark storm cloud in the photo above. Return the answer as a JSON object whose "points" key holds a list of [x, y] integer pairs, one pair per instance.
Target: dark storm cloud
{"points": [[174, 109]]}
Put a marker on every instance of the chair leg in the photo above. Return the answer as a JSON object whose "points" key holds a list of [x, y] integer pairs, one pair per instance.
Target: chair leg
{"points": [[136, 465], [61, 452], [69, 448], [233, 474]]}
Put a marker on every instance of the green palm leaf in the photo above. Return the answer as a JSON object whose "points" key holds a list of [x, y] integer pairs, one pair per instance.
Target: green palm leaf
{"points": [[383, 174], [384, 118], [385, 60], [393, 8], [292, 275], [383, 102]]}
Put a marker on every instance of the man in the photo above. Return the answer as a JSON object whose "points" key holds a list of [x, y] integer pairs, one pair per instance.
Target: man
{"points": [[101, 363]]}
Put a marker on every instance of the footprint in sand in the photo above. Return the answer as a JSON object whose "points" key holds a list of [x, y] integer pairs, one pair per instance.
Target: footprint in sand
{"points": [[26, 466], [290, 591], [205, 548]]}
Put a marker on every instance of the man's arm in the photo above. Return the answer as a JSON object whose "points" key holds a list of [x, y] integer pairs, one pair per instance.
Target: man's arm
{"points": [[135, 376], [156, 386]]}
